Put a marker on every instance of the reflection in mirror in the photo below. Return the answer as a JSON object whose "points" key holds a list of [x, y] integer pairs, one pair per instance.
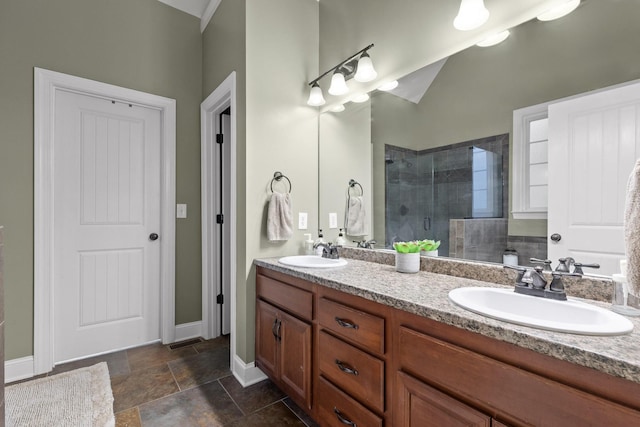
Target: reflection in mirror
{"points": [[472, 97], [345, 155]]}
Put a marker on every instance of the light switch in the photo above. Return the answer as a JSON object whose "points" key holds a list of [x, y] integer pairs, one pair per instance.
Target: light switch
{"points": [[302, 220], [181, 210], [333, 220]]}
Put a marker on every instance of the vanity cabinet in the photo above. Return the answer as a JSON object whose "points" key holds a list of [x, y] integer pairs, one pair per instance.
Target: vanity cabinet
{"points": [[445, 372], [284, 336], [351, 343], [347, 360]]}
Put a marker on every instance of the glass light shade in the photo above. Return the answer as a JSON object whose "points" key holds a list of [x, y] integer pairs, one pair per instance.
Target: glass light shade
{"points": [[363, 97], [494, 39], [471, 15], [365, 71], [388, 85], [559, 11], [315, 96], [338, 85], [338, 108]]}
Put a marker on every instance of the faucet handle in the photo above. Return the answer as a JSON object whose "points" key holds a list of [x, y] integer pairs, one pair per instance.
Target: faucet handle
{"points": [[546, 262], [563, 267], [578, 267]]}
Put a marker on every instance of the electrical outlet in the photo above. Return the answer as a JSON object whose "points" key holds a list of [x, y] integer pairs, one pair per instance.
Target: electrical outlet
{"points": [[302, 220], [333, 220], [181, 210]]}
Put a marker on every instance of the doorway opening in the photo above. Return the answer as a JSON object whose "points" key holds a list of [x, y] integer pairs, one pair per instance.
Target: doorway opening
{"points": [[218, 197]]}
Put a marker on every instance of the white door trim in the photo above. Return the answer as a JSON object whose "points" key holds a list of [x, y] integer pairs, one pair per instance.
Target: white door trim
{"points": [[222, 97], [46, 84]]}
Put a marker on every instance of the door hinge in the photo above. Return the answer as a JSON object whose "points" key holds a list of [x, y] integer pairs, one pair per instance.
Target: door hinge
{"points": [[219, 138], [220, 299], [220, 219]]}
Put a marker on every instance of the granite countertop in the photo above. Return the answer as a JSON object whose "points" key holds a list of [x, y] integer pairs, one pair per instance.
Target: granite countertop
{"points": [[426, 294]]}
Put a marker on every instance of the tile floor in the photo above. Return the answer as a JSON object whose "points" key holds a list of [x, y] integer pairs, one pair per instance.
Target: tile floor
{"points": [[189, 386]]}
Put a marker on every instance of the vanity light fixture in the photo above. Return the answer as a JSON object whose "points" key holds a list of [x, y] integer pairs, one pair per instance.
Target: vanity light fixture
{"points": [[471, 15], [315, 96], [494, 39], [338, 108], [338, 84], [559, 11], [358, 66], [388, 86], [365, 72]]}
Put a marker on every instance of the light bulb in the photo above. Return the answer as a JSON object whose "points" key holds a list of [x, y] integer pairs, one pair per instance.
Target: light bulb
{"points": [[559, 11], [363, 97], [315, 96], [338, 85], [388, 85], [494, 39], [471, 15], [365, 71]]}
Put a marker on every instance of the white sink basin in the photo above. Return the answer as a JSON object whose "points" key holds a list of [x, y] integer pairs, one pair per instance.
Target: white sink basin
{"points": [[312, 261], [562, 316]]}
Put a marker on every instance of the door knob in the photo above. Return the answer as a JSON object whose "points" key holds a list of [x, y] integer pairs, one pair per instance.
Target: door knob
{"points": [[556, 237], [153, 236]]}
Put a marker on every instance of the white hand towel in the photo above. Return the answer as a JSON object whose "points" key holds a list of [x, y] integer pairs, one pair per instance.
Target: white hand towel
{"points": [[279, 217], [356, 217], [632, 230]]}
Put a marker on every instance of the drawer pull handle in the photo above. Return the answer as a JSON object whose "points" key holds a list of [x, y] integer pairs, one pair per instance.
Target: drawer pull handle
{"points": [[346, 324], [342, 419], [346, 368], [275, 329]]}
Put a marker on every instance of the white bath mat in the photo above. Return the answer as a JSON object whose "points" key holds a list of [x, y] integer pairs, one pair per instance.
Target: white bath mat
{"points": [[78, 398]]}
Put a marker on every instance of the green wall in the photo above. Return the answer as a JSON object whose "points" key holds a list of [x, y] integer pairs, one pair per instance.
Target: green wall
{"points": [[143, 45], [277, 131], [476, 91]]}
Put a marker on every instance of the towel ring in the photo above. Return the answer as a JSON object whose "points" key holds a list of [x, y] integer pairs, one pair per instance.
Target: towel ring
{"points": [[277, 176], [353, 183]]}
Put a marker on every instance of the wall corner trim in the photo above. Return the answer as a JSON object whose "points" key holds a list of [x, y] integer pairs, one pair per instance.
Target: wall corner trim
{"points": [[246, 373]]}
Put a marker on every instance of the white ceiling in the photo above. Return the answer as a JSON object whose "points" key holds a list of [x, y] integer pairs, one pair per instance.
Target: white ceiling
{"points": [[203, 9]]}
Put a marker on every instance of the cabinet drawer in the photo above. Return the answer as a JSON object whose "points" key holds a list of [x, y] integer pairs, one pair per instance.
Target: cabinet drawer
{"points": [[354, 325], [494, 386], [336, 409], [294, 300], [356, 372]]}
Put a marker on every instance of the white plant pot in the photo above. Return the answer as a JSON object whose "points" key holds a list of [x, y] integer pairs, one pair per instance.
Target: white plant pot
{"points": [[431, 253], [408, 263]]}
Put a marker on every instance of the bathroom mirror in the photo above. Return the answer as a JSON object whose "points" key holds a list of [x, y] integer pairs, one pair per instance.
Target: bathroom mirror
{"points": [[471, 99]]}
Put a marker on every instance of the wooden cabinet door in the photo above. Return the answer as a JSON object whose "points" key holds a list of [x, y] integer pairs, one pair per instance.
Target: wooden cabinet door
{"points": [[267, 338], [421, 405], [295, 358]]}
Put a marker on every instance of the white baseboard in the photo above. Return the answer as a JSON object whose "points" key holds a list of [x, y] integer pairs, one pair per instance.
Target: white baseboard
{"points": [[187, 331], [21, 368], [246, 373], [18, 369]]}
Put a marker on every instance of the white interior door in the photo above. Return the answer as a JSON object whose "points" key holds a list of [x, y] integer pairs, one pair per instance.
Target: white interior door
{"points": [[106, 283], [594, 142]]}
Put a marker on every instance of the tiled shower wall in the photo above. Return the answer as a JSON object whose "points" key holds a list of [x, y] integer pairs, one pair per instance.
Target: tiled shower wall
{"points": [[478, 239], [426, 189]]}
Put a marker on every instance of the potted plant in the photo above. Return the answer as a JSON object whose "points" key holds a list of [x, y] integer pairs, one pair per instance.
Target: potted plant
{"points": [[430, 247], [408, 256]]}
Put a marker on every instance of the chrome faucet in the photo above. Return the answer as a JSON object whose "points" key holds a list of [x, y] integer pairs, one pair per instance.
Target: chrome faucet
{"points": [[533, 282], [365, 244], [328, 250]]}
